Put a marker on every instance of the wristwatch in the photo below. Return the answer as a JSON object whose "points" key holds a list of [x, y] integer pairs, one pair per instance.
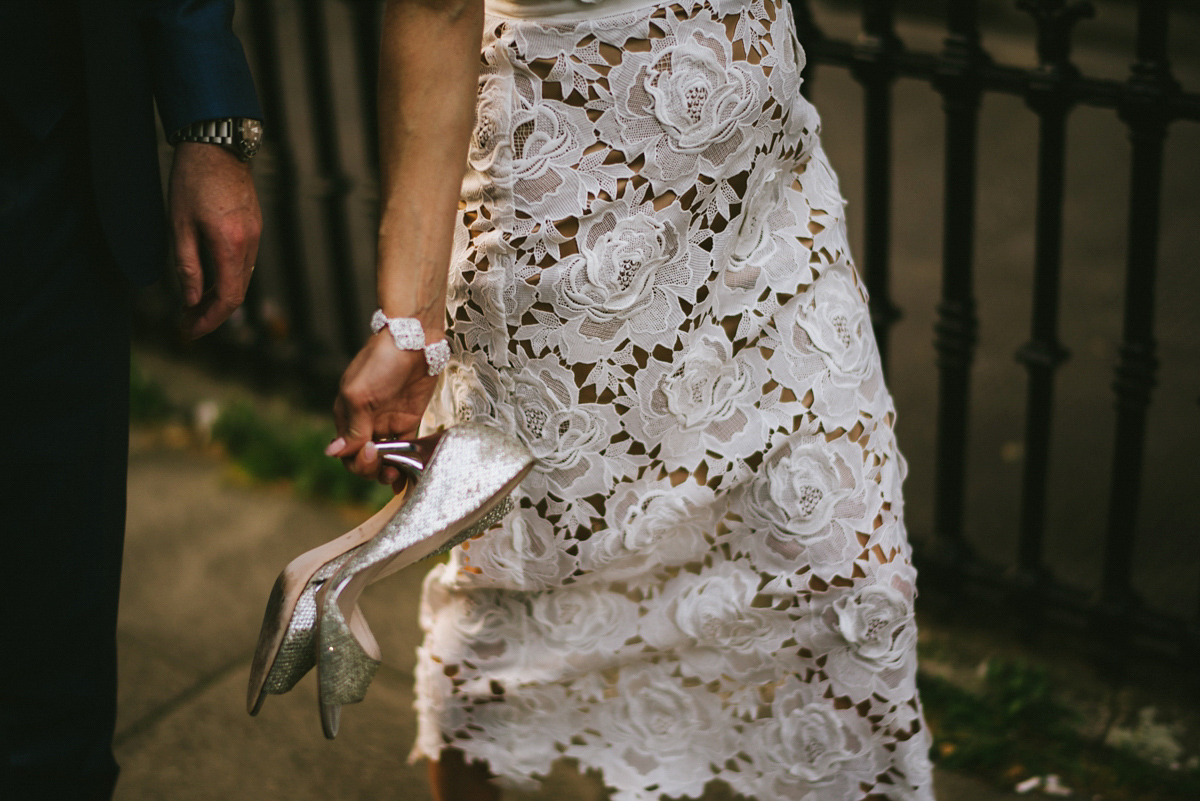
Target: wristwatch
{"points": [[240, 135]]}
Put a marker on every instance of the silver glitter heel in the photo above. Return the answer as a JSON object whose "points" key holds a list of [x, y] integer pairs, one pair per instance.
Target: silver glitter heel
{"points": [[462, 491], [286, 650]]}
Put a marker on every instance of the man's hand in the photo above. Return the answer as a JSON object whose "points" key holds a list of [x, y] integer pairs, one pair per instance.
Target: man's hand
{"points": [[215, 220]]}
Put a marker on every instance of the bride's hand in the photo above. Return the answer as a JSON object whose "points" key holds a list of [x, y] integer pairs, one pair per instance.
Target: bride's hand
{"points": [[383, 394]]}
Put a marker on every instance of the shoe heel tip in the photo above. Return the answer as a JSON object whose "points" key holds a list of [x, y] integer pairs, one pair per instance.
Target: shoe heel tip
{"points": [[331, 718]]}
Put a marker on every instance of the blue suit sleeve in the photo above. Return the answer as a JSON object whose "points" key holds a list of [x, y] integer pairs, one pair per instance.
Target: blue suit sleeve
{"points": [[197, 64]]}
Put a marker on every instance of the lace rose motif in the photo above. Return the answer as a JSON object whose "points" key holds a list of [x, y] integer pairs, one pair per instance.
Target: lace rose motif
{"points": [[813, 501], [562, 438], [518, 734], [803, 489], [706, 399], [664, 734], [705, 388], [483, 300], [490, 619], [836, 320], [869, 636], [578, 622], [521, 555], [547, 141], [489, 139], [831, 349], [816, 742], [633, 269], [764, 251], [570, 440], [462, 397], [821, 756], [754, 245], [912, 756], [560, 434], [479, 626], [615, 278], [878, 627], [714, 612], [722, 632], [648, 528], [697, 99], [524, 150], [684, 105]]}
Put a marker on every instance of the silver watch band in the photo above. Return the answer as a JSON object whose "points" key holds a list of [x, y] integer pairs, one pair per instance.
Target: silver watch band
{"points": [[241, 136], [209, 132]]}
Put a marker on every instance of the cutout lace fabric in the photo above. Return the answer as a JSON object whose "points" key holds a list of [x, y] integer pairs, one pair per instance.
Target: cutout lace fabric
{"points": [[706, 576]]}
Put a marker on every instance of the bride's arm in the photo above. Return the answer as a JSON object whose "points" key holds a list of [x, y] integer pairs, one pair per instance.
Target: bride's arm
{"points": [[428, 74]]}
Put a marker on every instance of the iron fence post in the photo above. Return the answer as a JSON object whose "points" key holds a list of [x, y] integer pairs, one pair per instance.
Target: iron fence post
{"points": [[955, 332], [874, 67], [1050, 98], [335, 184], [1143, 109], [285, 198], [810, 37]]}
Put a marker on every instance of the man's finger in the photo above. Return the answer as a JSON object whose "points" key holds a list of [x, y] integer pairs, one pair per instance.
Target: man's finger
{"points": [[194, 315], [210, 313], [187, 264], [250, 253], [228, 251]]}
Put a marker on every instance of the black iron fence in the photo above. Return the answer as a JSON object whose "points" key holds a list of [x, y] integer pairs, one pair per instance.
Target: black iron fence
{"points": [[315, 63]]}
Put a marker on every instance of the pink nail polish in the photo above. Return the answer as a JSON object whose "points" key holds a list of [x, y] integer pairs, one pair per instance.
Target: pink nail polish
{"points": [[335, 447], [369, 451]]}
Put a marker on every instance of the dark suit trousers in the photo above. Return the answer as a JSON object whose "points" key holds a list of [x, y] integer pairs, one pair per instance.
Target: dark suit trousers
{"points": [[64, 368]]}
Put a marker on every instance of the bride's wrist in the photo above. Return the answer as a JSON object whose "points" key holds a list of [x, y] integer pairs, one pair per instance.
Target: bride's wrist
{"points": [[433, 332], [409, 334], [430, 314]]}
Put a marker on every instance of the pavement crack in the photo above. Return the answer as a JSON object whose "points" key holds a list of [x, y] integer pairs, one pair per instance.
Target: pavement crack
{"points": [[162, 711]]}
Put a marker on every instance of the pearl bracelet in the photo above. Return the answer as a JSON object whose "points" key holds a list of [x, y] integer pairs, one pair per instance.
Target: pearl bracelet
{"points": [[408, 334]]}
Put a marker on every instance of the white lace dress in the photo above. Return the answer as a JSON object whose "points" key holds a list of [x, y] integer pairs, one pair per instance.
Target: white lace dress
{"points": [[706, 575]]}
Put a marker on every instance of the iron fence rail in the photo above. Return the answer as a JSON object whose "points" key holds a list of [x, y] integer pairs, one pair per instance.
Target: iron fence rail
{"points": [[1148, 102], [963, 73]]}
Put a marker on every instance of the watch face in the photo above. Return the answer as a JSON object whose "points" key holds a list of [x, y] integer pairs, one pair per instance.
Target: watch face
{"points": [[251, 138]]}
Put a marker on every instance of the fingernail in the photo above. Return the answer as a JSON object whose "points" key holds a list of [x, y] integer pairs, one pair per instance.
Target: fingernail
{"points": [[369, 451], [335, 447]]}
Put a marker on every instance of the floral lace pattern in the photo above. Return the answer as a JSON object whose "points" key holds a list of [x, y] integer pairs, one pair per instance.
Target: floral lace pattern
{"points": [[706, 576]]}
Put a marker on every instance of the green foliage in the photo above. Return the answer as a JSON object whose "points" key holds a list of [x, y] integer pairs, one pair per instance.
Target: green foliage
{"points": [[983, 731], [148, 401], [1015, 728], [272, 450]]}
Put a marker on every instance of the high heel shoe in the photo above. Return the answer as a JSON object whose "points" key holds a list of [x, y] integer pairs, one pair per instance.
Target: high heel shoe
{"points": [[285, 650], [462, 490]]}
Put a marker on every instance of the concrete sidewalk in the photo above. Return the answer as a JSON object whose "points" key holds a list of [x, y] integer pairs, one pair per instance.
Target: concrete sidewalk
{"points": [[202, 552]]}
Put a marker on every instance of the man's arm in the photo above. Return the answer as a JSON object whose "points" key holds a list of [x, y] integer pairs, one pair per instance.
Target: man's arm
{"points": [[199, 72], [197, 64]]}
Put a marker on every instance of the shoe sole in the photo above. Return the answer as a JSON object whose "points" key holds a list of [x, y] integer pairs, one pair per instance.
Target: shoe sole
{"points": [[288, 588], [352, 589]]}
